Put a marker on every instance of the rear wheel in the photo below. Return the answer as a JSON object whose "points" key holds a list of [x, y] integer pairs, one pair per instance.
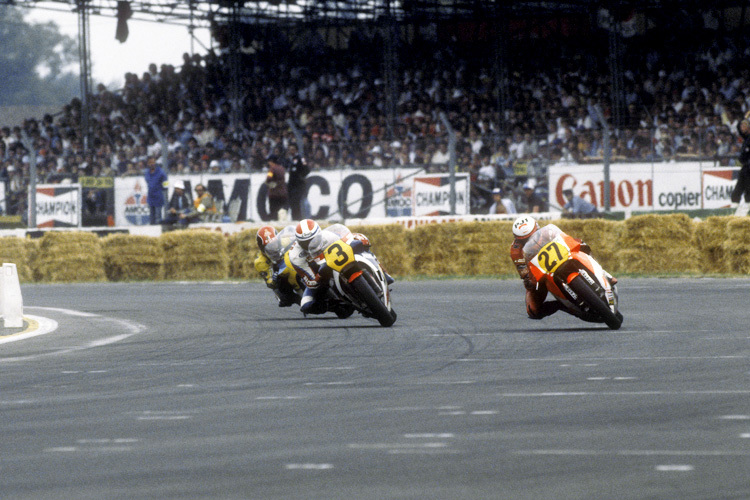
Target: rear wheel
{"points": [[597, 305], [370, 297]]}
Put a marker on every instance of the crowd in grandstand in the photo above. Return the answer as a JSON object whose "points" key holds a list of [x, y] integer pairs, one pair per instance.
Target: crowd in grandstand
{"points": [[678, 105]]}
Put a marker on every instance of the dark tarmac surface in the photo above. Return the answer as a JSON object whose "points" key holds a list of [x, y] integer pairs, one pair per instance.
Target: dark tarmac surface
{"points": [[208, 390]]}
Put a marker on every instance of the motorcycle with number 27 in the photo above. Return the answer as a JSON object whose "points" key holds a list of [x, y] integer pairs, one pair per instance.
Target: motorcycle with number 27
{"points": [[575, 278], [356, 277]]}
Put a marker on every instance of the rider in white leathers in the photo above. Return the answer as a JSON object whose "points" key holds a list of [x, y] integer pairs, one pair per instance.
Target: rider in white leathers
{"points": [[306, 255]]}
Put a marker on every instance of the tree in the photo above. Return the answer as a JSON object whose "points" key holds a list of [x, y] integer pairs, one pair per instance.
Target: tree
{"points": [[33, 62]]}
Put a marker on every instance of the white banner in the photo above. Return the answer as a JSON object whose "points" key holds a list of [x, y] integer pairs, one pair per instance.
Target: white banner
{"points": [[718, 184], [633, 186], [58, 205], [346, 194], [131, 208], [432, 194]]}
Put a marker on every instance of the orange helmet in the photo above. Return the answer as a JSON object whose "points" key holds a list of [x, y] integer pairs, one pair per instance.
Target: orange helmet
{"points": [[524, 227], [264, 236]]}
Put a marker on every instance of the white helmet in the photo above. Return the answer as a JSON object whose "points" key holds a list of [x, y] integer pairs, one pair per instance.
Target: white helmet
{"points": [[524, 226], [308, 233]]}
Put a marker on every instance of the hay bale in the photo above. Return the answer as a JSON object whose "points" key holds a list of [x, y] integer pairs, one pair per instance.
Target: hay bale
{"points": [[133, 257], [14, 250], [658, 244], [389, 244], [32, 253], [461, 249], [195, 254], [242, 251], [710, 237], [736, 247], [69, 256], [603, 236]]}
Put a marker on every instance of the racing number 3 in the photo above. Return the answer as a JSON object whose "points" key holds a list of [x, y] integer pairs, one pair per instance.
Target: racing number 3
{"points": [[547, 259], [341, 256]]}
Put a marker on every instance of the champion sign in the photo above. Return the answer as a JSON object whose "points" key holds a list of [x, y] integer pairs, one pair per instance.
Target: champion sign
{"points": [[58, 205], [432, 195], [718, 184]]}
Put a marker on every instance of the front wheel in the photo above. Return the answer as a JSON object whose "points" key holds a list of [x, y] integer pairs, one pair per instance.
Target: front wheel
{"points": [[592, 299], [370, 297]]}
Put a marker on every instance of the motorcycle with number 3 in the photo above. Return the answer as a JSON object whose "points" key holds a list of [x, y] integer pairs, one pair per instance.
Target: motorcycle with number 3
{"points": [[575, 278], [357, 278]]}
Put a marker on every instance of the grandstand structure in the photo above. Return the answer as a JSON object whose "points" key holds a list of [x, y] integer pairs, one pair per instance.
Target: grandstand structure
{"points": [[518, 73], [244, 25]]}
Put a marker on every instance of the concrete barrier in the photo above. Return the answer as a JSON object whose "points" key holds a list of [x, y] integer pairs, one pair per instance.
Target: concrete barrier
{"points": [[10, 295]]}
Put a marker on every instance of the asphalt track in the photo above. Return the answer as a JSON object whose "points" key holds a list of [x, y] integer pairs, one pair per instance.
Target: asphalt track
{"points": [[208, 390]]}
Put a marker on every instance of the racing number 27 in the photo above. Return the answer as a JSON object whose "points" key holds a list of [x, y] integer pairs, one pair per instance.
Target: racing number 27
{"points": [[547, 259]]}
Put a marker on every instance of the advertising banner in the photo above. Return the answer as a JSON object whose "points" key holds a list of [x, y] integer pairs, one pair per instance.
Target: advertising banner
{"points": [[718, 184], [58, 205], [347, 194], [131, 207], [431, 195], [633, 186]]}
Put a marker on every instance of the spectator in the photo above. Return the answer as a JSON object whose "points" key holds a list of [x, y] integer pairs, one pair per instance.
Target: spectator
{"points": [[179, 206], [297, 187], [501, 204], [278, 198], [529, 201], [204, 208], [577, 207], [156, 181]]}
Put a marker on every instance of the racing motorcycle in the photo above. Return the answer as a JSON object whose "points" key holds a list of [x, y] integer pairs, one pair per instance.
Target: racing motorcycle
{"points": [[575, 278], [357, 280]]}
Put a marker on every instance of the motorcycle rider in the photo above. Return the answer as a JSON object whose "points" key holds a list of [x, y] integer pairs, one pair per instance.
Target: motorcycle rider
{"points": [[271, 266], [307, 258], [536, 293]]}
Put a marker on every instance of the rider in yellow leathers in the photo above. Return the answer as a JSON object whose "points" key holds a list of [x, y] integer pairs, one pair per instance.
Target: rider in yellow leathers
{"points": [[273, 265]]}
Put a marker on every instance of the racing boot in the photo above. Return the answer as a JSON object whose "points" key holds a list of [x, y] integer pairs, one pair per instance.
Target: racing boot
{"points": [[314, 301], [284, 299]]}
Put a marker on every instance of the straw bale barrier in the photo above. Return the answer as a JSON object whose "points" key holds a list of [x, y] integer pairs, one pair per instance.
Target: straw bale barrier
{"points": [[389, 243], [737, 245], [195, 254], [32, 254], [645, 244], [658, 244], [242, 250], [710, 239], [65, 257], [14, 250], [132, 257], [461, 249], [603, 236]]}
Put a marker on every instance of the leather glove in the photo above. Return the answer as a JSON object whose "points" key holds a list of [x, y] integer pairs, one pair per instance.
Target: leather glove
{"points": [[529, 282], [274, 282], [311, 283]]}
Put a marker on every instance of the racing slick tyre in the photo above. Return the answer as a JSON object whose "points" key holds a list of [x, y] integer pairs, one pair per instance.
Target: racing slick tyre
{"points": [[597, 305], [370, 297]]}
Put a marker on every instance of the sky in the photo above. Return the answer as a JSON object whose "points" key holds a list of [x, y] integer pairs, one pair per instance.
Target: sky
{"points": [[148, 42]]}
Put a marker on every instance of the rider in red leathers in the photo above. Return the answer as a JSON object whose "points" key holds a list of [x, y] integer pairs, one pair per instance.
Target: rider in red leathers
{"points": [[536, 293]]}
